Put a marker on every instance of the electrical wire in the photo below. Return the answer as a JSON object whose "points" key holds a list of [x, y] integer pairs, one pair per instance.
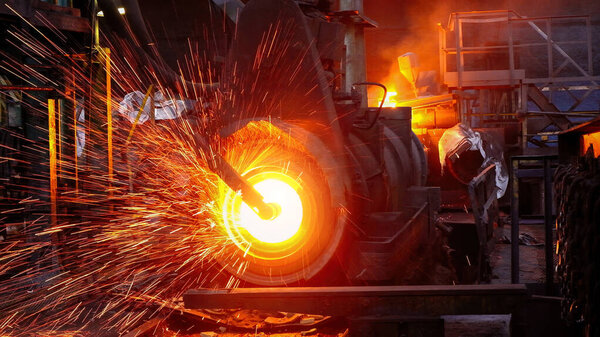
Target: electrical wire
{"points": [[380, 104]]}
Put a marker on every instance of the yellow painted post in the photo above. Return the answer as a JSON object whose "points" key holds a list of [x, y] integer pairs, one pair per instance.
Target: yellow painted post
{"points": [[109, 129], [52, 154], [139, 114], [73, 98]]}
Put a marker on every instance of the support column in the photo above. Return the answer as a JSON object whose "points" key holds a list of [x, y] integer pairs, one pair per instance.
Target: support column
{"points": [[356, 68], [109, 126], [52, 160]]}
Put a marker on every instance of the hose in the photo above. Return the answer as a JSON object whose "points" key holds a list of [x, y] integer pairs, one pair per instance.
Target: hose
{"points": [[359, 126]]}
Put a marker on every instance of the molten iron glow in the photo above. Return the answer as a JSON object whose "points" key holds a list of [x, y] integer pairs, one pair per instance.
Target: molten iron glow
{"points": [[282, 227], [293, 245], [272, 167], [390, 99]]}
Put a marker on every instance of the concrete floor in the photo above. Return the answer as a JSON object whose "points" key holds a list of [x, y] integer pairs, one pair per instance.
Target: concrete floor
{"points": [[532, 262]]}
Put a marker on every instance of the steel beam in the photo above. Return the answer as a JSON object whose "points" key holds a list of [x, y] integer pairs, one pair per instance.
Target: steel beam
{"points": [[368, 300]]}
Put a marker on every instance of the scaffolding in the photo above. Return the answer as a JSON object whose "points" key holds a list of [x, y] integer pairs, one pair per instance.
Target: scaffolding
{"points": [[536, 73]]}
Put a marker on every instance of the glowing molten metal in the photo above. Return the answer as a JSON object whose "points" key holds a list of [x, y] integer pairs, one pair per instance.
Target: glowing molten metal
{"points": [[302, 237], [278, 189]]}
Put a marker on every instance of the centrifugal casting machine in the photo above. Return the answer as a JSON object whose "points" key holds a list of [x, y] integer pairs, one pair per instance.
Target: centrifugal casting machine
{"points": [[341, 196]]}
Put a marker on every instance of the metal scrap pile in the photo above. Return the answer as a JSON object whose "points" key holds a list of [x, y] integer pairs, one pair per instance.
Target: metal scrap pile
{"points": [[577, 187], [175, 320]]}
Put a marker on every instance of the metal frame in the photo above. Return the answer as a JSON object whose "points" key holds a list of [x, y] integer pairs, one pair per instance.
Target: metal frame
{"points": [[510, 17], [546, 173], [452, 43]]}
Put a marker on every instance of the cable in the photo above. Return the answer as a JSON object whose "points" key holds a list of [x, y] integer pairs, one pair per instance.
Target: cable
{"points": [[380, 105]]}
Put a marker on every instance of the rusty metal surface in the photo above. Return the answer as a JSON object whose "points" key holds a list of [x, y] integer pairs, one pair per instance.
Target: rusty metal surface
{"points": [[371, 300]]}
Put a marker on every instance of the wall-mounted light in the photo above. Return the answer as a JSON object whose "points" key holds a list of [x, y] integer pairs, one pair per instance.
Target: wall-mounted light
{"points": [[120, 9]]}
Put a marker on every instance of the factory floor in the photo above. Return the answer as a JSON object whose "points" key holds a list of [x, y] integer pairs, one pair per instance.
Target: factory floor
{"points": [[532, 265], [544, 310], [532, 271], [253, 323]]}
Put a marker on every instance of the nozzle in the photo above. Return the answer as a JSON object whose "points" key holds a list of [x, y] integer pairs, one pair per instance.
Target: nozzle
{"points": [[268, 211], [236, 182]]}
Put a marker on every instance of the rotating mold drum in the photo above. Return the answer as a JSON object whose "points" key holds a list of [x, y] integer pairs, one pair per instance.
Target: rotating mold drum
{"points": [[282, 166]]}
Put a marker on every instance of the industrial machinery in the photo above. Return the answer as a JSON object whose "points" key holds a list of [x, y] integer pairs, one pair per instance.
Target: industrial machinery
{"points": [[315, 188], [349, 180], [271, 173]]}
